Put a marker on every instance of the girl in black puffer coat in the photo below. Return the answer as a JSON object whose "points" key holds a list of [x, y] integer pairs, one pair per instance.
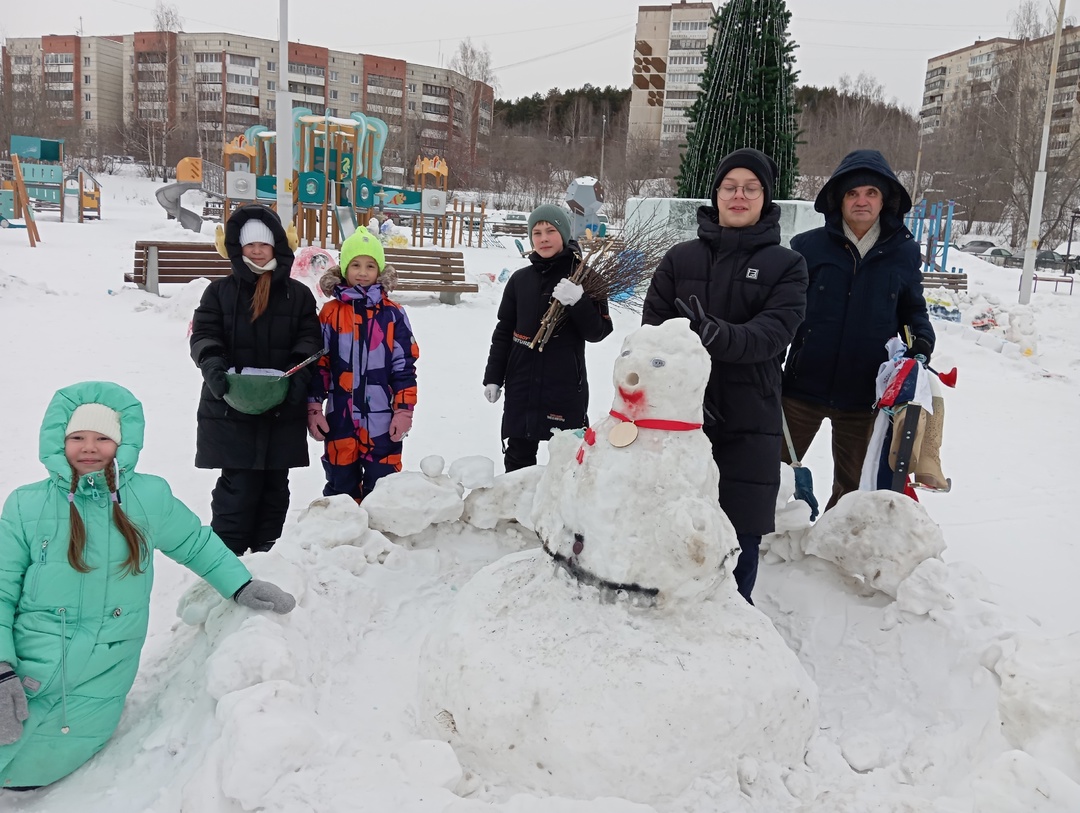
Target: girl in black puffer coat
{"points": [[745, 296], [257, 317], [544, 390]]}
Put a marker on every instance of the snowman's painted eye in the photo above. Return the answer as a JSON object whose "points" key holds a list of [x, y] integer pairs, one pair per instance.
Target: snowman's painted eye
{"points": [[625, 353], [658, 362]]}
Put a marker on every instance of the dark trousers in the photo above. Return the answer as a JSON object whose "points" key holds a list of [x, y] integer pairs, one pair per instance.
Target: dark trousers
{"points": [[519, 453], [850, 436], [746, 568], [249, 507]]}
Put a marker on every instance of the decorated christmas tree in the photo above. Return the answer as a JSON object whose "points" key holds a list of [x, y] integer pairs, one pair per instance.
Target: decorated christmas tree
{"points": [[747, 96]]}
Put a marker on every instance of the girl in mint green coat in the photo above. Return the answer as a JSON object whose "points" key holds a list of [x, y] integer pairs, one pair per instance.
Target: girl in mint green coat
{"points": [[76, 568]]}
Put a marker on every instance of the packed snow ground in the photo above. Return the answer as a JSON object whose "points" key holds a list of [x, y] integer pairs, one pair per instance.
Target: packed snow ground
{"points": [[955, 695]]}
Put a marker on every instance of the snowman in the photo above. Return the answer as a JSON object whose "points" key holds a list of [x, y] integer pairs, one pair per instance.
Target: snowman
{"points": [[631, 667], [633, 506]]}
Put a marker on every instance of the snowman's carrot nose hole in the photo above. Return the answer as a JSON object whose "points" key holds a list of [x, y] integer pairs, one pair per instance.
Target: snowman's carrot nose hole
{"points": [[632, 379]]}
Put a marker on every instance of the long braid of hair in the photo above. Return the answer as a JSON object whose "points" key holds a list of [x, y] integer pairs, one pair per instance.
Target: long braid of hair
{"points": [[77, 543], [261, 297], [136, 541]]}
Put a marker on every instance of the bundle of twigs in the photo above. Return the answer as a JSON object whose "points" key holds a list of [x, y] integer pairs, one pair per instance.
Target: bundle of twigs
{"points": [[618, 270], [556, 310]]}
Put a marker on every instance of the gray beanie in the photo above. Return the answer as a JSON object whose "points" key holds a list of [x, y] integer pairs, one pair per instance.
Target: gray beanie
{"points": [[555, 215]]}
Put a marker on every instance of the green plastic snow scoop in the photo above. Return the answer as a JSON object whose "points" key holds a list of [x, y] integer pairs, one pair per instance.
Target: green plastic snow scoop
{"points": [[256, 393]]}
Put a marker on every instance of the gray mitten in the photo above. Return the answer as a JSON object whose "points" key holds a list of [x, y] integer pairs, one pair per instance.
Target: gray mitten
{"points": [[259, 595], [13, 708]]}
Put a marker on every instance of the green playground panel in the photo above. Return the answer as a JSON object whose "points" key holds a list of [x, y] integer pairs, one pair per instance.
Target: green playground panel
{"points": [[39, 149], [43, 174], [7, 204], [266, 186]]}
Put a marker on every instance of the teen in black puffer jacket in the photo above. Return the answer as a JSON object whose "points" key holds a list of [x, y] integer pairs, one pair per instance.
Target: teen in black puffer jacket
{"points": [[752, 295]]}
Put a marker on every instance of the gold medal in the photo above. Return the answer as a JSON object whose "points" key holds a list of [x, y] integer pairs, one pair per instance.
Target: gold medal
{"points": [[622, 434]]}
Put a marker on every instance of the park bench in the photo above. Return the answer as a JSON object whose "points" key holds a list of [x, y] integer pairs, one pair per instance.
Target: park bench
{"points": [[953, 280], [1063, 279], [158, 263]]}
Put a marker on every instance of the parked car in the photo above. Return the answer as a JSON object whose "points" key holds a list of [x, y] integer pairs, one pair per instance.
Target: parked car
{"points": [[1044, 260], [997, 256], [977, 246]]}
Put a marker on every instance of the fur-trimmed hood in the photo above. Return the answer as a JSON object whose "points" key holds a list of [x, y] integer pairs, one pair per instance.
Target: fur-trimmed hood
{"points": [[332, 278]]}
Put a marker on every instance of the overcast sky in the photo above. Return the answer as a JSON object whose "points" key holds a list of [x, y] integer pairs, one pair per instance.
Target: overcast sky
{"points": [[558, 43]]}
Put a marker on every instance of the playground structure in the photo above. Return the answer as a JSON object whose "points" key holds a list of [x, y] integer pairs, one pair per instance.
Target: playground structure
{"points": [[15, 209], [336, 182], [75, 194], [931, 224], [584, 197]]}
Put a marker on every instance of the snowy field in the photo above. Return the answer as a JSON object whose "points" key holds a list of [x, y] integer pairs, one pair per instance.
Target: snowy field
{"points": [[950, 690]]}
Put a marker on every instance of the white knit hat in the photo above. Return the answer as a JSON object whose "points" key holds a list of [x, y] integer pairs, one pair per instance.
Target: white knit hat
{"points": [[255, 231], [95, 418]]}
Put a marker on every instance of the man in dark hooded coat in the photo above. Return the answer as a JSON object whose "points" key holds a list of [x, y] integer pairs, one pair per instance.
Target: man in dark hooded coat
{"points": [[865, 288]]}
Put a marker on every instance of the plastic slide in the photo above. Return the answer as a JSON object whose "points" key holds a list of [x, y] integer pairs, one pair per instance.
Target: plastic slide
{"points": [[169, 198]]}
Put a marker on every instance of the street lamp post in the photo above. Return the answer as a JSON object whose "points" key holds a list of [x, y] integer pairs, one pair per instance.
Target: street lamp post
{"points": [[603, 134]]}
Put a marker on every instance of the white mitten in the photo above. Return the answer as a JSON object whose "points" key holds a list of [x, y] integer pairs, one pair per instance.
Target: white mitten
{"points": [[493, 392], [567, 292]]}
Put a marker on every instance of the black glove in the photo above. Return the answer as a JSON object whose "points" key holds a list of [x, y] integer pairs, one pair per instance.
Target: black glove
{"points": [[213, 373], [920, 349], [705, 326], [298, 388]]}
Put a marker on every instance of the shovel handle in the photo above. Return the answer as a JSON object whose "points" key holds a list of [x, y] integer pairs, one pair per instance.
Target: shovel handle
{"points": [[313, 357]]}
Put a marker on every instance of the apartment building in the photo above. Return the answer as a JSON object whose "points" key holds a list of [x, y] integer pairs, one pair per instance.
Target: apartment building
{"points": [[971, 75], [668, 64], [955, 78], [214, 86], [76, 81]]}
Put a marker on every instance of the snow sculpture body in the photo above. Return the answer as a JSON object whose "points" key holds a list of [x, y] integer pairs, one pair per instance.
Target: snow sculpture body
{"points": [[631, 668], [634, 506]]}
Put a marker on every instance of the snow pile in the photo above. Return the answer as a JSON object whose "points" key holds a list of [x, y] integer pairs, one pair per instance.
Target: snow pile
{"points": [[878, 537], [532, 676], [1039, 713]]}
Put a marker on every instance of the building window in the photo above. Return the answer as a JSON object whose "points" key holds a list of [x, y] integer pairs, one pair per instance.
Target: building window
{"points": [[86, 96], [354, 98], [333, 76], [183, 59], [207, 56], [86, 115], [271, 84], [331, 111], [271, 104], [333, 94], [270, 65], [355, 79], [183, 97], [86, 61], [243, 61]]}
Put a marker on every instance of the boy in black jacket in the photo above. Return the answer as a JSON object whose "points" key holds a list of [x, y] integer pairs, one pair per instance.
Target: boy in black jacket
{"points": [[547, 389]]}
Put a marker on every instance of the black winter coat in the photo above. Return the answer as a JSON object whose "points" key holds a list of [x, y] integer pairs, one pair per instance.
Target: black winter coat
{"points": [[286, 333], [757, 289], [543, 390], [855, 304]]}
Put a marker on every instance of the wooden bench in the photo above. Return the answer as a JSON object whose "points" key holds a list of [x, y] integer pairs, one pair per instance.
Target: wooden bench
{"points": [[157, 263], [953, 280], [1037, 278], [439, 271]]}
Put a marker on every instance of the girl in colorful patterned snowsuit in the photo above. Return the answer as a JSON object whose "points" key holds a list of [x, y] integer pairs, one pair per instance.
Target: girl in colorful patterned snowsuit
{"points": [[368, 375]]}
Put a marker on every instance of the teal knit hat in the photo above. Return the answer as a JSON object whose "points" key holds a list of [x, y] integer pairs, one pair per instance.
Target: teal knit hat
{"points": [[362, 243], [555, 215]]}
